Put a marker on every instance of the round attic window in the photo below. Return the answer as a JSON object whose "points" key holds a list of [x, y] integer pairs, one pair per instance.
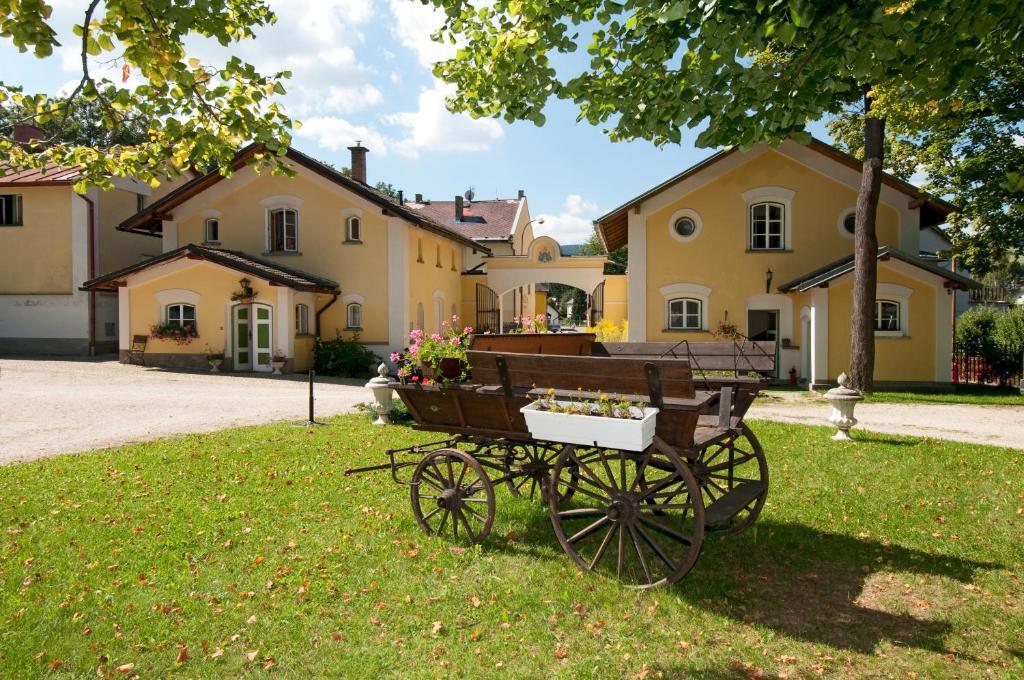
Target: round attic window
{"points": [[847, 222], [684, 225]]}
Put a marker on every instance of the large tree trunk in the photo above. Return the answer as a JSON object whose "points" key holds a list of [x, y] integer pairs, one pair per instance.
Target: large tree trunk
{"points": [[865, 255]]}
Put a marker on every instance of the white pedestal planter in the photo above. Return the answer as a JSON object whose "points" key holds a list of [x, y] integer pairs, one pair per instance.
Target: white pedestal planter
{"points": [[277, 365], [843, 399], [383, 393], [610, 433]]}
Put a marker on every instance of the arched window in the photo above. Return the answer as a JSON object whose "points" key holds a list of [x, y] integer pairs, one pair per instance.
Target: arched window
{"points": [[419, 253], [353, 229], [453, 260], [767, 226], [354, 315], [887, 315], [685, 314], [438, 265], [283, 230], [212, 230], [301, 319], [181, 315]]}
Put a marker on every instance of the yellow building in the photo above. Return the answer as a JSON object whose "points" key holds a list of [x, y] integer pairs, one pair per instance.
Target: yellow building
{"points": [[762, 241], [259, 265], [53, 238]]}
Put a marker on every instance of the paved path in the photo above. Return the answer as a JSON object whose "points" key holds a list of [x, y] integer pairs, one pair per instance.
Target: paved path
{"points": [[996, 425], [62, 406]]}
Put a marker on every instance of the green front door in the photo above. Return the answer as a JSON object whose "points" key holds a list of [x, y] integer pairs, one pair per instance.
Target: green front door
{"points": [[253, 337], [262, 335]]}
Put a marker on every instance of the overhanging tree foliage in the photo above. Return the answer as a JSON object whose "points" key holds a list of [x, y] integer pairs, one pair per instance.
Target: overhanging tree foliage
{"points": [[193, 113], [83, 126], [971, 150], [749, 71]]}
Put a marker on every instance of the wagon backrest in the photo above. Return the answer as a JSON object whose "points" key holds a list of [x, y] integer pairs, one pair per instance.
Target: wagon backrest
{"points": [[740, 356], [612, 375]]}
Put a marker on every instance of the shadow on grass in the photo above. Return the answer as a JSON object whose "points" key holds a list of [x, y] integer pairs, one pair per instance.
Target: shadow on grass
{"points": [[804, 583]]}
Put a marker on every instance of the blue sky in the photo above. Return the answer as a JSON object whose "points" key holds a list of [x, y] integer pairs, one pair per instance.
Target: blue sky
{"points": [[361, 70]]}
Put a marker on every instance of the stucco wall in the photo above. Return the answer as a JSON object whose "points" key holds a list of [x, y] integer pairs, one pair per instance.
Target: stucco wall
{"points": [[431, 281], [718, 257], [36, 258], [909, 358], [615, 298], [117, 249]]}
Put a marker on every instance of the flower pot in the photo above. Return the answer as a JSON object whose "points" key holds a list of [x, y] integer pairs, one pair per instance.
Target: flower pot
{"points": [[591, 430], [215, 365], [448, 369], [277, 365]]}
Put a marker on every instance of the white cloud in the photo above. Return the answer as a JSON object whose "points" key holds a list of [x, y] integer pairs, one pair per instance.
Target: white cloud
{"points": [[574, 224], [335, 133], [432, 127], [413, 25]]}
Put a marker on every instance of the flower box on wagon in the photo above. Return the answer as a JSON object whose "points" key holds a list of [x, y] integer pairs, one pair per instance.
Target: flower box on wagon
{"points": [[572, 423]]}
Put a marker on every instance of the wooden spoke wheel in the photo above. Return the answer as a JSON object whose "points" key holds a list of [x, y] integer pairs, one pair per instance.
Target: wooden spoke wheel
{"points": [[645, 537], [452, 495], [733, 478], [528, 467]]}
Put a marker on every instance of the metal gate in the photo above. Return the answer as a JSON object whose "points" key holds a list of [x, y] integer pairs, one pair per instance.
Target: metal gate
{"points": [[597, 304], [488, 310]]}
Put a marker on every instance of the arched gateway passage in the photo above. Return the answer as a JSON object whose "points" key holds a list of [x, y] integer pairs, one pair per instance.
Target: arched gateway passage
{"points": [[509, 276]]}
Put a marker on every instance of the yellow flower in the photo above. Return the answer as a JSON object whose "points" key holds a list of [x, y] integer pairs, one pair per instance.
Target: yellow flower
{"points": [[602, 396], [551, 390]]}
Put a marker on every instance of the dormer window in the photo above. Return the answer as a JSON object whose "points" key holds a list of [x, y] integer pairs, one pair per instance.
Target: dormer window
{"points": [[10, 210], [283, 227], [212, 230], [353, 230]]}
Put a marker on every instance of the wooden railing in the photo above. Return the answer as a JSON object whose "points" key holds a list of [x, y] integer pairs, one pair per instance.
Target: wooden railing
{"points": [[988, 294]]}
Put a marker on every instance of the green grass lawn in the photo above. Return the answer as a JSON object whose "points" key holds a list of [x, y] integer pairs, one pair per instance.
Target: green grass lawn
{"points": [[247, 552]]}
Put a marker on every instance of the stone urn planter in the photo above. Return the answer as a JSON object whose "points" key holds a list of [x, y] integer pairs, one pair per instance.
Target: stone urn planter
{"points": [[277, 363], [215, 365], [843, 399], [631, 434]]}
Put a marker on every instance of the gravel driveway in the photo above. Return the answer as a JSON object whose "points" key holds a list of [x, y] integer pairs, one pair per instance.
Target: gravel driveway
{"points": [[62, 406], [972, 423]]}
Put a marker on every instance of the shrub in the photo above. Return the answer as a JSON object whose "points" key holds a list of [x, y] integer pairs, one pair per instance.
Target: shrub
{"points": [[343, 358], [975, 333], [1009, 335], [607, 331]]}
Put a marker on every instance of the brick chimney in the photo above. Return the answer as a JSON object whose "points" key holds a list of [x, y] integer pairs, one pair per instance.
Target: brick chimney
{"points": [[419, 198], [522, 193], [28, 136], [459, 209], [358, 164]]}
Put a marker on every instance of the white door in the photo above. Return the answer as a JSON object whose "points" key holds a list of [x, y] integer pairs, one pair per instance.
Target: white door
{"points": [[252, 334]]}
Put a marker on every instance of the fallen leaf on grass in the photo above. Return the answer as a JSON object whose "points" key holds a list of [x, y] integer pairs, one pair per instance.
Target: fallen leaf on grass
{"points": [[182, 654], [251, 620], [436, 627], [125, 668], [251, 656], [561, 651], [474, 600]]}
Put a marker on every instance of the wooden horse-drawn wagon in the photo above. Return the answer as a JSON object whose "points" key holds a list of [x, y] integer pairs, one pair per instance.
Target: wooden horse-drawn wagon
{"points": [[640, 515]]}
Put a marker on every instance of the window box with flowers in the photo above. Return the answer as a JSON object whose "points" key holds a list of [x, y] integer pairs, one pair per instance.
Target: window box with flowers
{"points": [[177, 333], [603, 421]]}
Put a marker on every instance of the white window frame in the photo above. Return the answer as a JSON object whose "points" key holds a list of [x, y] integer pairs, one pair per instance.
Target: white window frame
{"points": [[354, 229], [271, 228], [207, 236], [879, 304], [691, 291], [301, 319], [773, 228], [168, 319], [357, 309], [900, 295], [698, 224], [686, 314], [19, 216], [781, 196], [841, 222]]}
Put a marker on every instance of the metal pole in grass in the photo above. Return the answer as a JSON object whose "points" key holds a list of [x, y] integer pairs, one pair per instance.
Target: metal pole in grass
{"points": [[312, 422]]}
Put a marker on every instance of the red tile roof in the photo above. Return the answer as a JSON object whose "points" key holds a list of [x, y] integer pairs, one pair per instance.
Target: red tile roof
{"points": [[50, 175], [482, 220]]}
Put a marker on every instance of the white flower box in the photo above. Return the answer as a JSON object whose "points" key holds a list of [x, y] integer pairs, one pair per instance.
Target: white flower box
{"points": [[610, 433]]}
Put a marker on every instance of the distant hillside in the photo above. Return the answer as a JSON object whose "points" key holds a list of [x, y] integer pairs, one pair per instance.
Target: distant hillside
{"points": [[571, 250]]}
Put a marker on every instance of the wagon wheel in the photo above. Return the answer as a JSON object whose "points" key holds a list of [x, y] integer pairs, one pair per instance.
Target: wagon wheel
{"points": [[610, 524], [528, 468], [733, 479], [451, 493]]}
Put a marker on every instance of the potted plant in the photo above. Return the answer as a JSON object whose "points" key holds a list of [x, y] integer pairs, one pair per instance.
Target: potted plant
{"points": [[438, 356], [613, 423], [529, 325], [215, 359], [278, 361]]}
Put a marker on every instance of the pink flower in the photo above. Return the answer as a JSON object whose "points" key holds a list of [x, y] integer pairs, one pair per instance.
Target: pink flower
{"points": [[395, 357], [435, 337], [415, 378], [455, 318], [467, 330], [453, 341]]}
